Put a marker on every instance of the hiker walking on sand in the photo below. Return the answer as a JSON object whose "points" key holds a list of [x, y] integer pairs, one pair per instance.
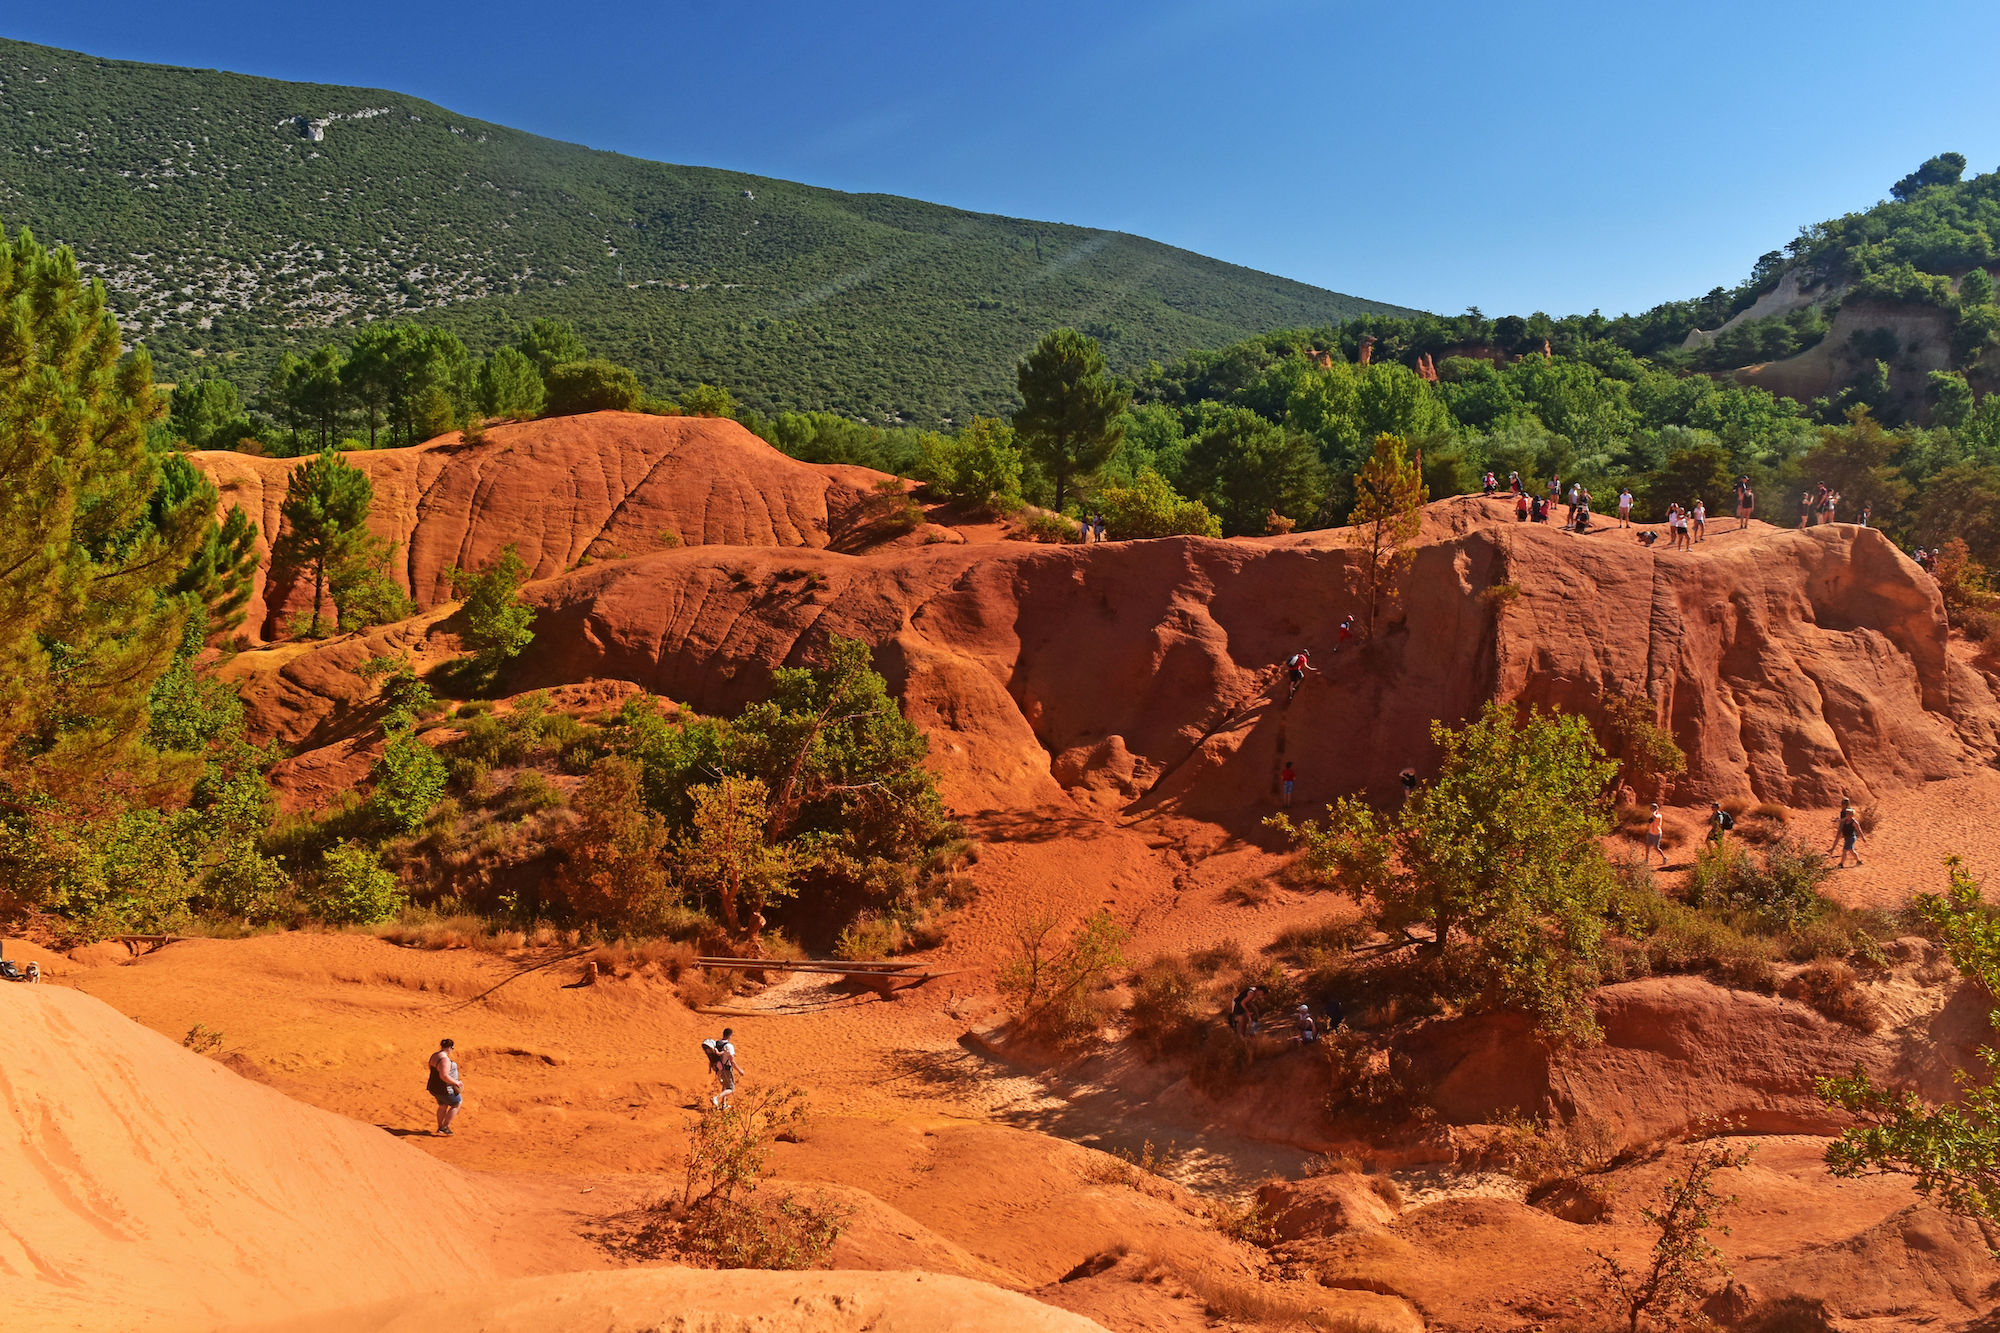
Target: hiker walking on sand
{"points": [[1720, 821], [1296, 667], [1286, 779], [721, 1053], [445, 1085], [1625, 507], [1846, 832], [1656, 836]]}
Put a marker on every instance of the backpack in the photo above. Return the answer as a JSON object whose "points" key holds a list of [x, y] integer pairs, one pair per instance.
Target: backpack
{"points": [[712, 1048], [1726, 821]]}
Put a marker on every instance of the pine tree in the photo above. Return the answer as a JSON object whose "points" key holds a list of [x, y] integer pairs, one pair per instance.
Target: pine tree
{"points": [[1389, 497], [86, 619], [219, 572], [510, 386], [325, 512], [1068, 420]]}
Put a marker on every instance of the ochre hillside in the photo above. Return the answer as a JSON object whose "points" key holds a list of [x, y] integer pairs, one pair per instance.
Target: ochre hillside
{"points": [[1791, 666]]}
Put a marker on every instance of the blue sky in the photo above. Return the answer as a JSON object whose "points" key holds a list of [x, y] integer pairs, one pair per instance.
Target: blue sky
{"points": [[1513, 156]]}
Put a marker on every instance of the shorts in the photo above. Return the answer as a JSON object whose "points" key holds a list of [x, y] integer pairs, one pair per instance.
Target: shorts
{"points": [[448, 1096], [1653, 842], [727, 1077], [1288, 790], [1847, 841], [1296, 676]]}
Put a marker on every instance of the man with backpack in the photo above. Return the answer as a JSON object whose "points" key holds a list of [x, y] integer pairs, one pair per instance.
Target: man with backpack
{"points": [[1846, 833], [721, 1053], [1296, 667], [1720, 821]]}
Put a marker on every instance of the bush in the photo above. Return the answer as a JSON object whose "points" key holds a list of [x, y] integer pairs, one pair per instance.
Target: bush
{"points": [[1780, 894], [591, 386], [1058, 991], [717, 1218], [1042, 526], [980, 467], [1149, 507], [409, 779], [1169, 1008], [1832, 988], [352, 889]]}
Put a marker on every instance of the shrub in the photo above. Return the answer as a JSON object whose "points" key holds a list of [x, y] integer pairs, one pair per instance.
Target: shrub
{"points": [[1168, 1009], [409, 779], [1042, 526], [612, 866], [980, 467], [352, 888], [497, 621], [1221, 1063], [1058, 991], [1780, 893], [1683, 1261], [718, 1218], [591, 386], [1149, 507], [1832, 988]]}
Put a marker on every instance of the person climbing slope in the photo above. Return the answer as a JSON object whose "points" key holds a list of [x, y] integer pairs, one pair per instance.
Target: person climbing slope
{"points": [[1296, 667], [1346, 632]]}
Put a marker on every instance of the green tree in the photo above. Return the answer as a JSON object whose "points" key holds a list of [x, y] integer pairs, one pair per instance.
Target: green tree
{"points": [[1389, 498], [1944, 169], [1858, 461], [724, 854], [577, 387], [351, 888], [1245, 469], [980, 467], [324, 514], [207, 414], [1962, 501], [498, 624], [1502, 849], [310, 398], [1976, 288], [1068, 421], [612, 852], [552, 342], [1149, 507], [220, 572], [706, 400], [510, 386], [409, 779], [1951, 1152], [371, 376], [86, 562], [1700, 470], [1684, 1263]]}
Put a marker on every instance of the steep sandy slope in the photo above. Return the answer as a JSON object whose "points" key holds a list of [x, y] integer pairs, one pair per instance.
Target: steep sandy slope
{"points": [[145, 1186], [560, 490]]}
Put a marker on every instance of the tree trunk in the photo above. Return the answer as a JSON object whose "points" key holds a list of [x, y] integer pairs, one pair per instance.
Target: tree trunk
{"points": [[319, 589]]}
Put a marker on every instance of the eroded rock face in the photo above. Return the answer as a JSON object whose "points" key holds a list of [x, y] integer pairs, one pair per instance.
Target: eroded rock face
{"points": [[1791, 666], [1324, 1205], [1680, 1052], [561, 491]]}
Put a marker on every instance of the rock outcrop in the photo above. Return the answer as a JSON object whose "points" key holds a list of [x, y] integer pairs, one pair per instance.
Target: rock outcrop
{"points": [[563, 492], [1795, 666]]}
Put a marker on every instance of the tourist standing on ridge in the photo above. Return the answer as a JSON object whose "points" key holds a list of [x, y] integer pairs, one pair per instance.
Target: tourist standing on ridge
{"points": [[1867, 512], [1514, 482], [1656, 836], [1700, 531], [446, 1087], [1489, 485], [1746, 503], [1625, 507], [1555, 492], [1805, 507], [1520, 505], [1846, 832]]}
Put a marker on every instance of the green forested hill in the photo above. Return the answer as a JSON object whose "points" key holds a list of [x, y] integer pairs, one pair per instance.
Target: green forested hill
{"points": [[233, 216]]}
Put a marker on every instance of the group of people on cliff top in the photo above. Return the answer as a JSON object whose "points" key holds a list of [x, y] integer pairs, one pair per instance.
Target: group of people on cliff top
{"points": [[1685, 524]]}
